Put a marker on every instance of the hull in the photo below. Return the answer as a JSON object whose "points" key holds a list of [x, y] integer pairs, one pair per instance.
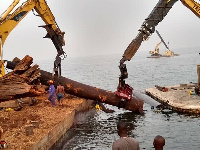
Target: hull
{"points": [[163, 56]]}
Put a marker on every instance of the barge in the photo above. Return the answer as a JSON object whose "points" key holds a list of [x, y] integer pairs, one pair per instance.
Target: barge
{"points": [[179, 98]]}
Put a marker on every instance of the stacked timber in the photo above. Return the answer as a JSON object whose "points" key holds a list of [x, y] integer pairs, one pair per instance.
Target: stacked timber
{"points": [[22, 82]]}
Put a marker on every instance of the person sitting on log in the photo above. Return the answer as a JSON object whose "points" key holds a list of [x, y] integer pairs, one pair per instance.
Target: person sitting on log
{"points": [[52, 93]]}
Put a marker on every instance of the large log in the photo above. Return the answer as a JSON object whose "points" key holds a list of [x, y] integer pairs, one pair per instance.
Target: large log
{"points": [[88, 92]]}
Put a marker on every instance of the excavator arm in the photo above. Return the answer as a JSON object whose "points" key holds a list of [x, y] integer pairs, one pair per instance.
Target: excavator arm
{"points": [[9, 21], [157, 49], [193, 6], [148, 27]]}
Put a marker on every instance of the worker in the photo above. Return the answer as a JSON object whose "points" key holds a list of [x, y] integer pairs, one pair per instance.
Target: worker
{"points": [[60, 93], [125, 142], [52, 93], [159, 142]]}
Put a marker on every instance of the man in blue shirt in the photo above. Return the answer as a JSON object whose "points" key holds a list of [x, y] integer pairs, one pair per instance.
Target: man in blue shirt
{"points": [[52, 93]]}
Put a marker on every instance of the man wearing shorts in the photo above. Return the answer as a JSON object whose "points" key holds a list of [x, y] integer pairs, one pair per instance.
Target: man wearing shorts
{"points": [[60, 93]]}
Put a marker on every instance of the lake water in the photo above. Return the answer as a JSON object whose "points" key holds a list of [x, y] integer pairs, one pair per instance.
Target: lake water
{"points": [[181, 132]]}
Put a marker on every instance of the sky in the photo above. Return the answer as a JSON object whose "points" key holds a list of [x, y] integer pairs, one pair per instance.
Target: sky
{"points": [[100, 27]]}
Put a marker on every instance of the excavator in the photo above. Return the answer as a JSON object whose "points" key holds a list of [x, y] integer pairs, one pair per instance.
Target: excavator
{"points": [[147, 29], [8, 21], [156, 51]]}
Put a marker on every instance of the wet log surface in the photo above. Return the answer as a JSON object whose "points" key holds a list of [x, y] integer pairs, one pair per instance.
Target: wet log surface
{"points": [[88, 92]]}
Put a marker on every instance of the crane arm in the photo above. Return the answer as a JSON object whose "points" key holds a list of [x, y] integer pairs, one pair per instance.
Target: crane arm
{"points": [[193, 6], [53, 31], [162, 39], [148, 27], [8, 10], [9, 21], [156, 49]]}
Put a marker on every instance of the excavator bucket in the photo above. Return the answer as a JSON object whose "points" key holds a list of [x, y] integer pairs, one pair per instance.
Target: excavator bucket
{"points": [[58, 41], [56, 38]]}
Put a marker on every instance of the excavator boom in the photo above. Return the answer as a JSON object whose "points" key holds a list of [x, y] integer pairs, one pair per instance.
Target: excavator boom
{"points": [[193, 6], [148, 27], [8, 10], [156, 49]]}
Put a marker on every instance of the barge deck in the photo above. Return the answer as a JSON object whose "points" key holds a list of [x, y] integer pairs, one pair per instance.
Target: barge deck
{"points": [[180, 98]]}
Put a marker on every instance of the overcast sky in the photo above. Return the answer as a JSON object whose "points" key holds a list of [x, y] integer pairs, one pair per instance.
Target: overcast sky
{"points": [[94, 27]]}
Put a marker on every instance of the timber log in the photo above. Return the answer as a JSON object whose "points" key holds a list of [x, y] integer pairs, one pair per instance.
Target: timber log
{"points": [[88, 92]]}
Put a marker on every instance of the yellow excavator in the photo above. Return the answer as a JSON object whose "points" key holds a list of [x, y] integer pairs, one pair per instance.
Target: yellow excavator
{"points": [[148, 27], [8, 21], [156, 51]]}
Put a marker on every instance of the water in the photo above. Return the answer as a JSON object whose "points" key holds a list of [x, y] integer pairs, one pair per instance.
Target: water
{"points": [[181, 132]]}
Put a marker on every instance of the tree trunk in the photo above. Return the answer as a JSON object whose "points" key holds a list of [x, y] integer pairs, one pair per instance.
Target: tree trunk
{"points": [[89, 92]]}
